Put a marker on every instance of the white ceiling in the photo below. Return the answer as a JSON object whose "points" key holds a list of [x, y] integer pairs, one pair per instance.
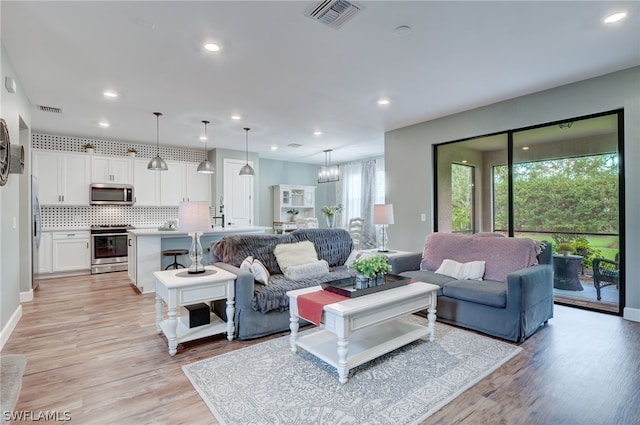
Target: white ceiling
{"points": [[288, 75]]}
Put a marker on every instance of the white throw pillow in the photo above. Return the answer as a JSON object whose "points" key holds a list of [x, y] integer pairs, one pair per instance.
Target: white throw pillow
{"points": [[294, 254], [246, 264], [449, 268], [473, 270], [260, 272], [308, 270], [357, 255]]}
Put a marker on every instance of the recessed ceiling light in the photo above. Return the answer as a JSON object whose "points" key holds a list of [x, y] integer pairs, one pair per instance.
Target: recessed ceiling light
{"points": [[383, 101], [402, 31], [104, 124], [236, 117], [464, 161], [274, 148], [110, 94], [525, 148], [212, 47], [203, 138], [317, 133], [615, 17]]}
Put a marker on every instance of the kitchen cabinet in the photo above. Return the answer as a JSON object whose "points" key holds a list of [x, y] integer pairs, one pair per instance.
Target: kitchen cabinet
{"points": [[287, 197], [45, 253], [132, 269], [146, 184], [182, 182], [108, 169], [63, 177], [70, 251]]}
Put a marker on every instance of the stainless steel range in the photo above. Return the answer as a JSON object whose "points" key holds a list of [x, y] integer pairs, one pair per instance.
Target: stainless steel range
{"points": [[109, 248]]}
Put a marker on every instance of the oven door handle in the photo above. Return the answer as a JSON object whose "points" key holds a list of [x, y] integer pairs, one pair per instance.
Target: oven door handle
{"points": [[108, 234]]}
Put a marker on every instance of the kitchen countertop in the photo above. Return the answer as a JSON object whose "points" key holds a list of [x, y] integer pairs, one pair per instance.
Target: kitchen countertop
{"points": [[216, 231]]}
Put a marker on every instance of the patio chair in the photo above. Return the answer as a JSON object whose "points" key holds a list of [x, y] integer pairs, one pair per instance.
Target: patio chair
{"points": [[605, 273]]}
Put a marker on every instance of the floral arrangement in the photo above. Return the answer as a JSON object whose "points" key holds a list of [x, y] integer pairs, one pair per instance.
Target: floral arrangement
{"points": [[294, 212], [330, 211], [371, 266]]}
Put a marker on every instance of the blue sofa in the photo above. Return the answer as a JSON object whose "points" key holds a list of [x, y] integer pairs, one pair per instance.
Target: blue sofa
{"points": [[512, 304], [264, 309]]}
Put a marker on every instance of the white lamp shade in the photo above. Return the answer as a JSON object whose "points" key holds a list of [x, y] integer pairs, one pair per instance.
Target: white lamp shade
{"points": [[194, 217], [383, 214]]}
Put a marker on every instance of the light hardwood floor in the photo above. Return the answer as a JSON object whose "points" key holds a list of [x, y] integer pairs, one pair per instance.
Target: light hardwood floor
{"points": [[92, 350]]}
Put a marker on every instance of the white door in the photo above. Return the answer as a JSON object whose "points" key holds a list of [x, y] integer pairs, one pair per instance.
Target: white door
{"points": [[238, 194]]}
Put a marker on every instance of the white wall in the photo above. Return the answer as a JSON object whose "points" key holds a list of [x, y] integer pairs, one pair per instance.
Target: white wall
{"points": [[14, 219], [409, 162]]}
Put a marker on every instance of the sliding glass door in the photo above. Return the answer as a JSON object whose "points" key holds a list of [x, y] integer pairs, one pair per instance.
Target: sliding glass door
{"points": [[559, 182]]}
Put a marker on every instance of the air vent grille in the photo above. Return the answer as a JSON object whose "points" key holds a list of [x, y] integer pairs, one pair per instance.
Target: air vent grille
{"points": [[50, 109], [294, 145], [333, 13]]}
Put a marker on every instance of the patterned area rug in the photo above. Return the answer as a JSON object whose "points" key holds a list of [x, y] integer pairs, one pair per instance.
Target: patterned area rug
{"points": [[267, 384]]}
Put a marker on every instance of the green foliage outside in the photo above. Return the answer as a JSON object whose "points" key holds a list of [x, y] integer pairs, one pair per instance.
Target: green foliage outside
{"points": [[569, 196], [461, 198]]}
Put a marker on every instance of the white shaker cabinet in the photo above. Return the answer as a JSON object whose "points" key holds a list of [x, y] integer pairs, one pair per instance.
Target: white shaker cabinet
{"points": [[182, 182], [198, 187], [63, 178], [146, 184], [71, 251], [45, 253], [108, 169]]}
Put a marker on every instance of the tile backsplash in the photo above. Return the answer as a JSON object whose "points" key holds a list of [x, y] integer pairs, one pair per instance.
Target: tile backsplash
{"points": [[73, 217]]}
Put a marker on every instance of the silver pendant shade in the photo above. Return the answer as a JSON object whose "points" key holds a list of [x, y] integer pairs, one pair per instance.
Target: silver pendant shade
{"points": [[157, 163], [247, 170], [205, 167]]}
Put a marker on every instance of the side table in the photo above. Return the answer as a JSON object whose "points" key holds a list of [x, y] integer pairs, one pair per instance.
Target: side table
{"points": [[565, 272], [178, 288]]}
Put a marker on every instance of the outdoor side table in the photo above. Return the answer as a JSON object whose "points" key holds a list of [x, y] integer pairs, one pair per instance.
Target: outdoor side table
{"points": [[566, 269]]}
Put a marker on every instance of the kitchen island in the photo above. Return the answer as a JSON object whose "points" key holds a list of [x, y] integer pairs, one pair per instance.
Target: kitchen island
{"points": [[145, 248]]}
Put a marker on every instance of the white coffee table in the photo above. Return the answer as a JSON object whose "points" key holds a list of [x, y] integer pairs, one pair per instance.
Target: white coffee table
{"points": [[361, 329], [176, 288]]}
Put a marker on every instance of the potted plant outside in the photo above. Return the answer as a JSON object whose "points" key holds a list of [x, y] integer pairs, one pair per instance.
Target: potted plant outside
{"points": [[565, 248], [89, 147], [370, 270], [294, 213]]}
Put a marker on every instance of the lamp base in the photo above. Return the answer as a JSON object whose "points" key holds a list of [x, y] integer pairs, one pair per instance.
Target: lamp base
{"points": [[383, 250], [196, 271]]}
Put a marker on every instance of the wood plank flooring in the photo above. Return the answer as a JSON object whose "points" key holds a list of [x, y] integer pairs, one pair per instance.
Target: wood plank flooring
{"points": [[92, 350]]}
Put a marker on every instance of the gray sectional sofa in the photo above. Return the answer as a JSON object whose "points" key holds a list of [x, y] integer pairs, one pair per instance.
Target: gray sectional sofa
{"points": [[264, 309], [515, 296]]}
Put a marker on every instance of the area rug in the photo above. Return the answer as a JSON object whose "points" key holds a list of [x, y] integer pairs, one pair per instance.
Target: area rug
{"points": [[267, 384]]}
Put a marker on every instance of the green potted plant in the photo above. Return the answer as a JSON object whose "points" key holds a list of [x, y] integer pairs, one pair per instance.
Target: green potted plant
{"points": [[565, 248], [294, 213], [370, 270], [89, 147]]}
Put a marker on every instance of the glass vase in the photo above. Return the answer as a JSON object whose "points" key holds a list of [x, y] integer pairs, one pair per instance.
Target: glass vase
{"points": [[331, 221]]}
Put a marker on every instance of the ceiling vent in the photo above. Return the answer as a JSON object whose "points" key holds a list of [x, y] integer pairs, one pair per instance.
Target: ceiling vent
{"points": [[50, 109], [333, 13], [294, 145]]}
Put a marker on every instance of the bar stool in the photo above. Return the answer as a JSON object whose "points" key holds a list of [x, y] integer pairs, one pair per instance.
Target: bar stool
{"points": [[174, 253]]}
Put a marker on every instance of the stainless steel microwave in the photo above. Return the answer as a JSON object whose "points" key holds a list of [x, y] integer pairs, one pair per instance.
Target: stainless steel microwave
{"points": [[111, 194]]}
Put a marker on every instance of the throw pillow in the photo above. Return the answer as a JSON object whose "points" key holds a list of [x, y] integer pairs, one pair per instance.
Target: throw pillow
{"points": [[449, 268], [293, 254], [260, 272], [308, 270], [246, 264], [473, 270], [356, 255]]}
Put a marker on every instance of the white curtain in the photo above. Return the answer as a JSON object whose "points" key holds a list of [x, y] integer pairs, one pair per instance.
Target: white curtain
{"points": [[361, 186]]}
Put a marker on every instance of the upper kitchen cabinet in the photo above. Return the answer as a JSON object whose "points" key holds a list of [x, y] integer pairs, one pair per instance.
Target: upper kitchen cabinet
{"points": [[146, 184], [63, 177], [182, 182], [108, 169]]}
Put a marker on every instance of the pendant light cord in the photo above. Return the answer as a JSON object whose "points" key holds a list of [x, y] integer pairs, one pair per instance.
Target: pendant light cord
{"points": [[247, 150], [157, 114]]}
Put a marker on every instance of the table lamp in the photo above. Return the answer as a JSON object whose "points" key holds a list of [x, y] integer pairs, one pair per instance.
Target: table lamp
{"points": [[383, 215], [194, 218]]}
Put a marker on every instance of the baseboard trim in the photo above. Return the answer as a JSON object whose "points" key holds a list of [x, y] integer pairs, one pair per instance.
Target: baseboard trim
{"points": [[11, 325], [631, 314], [26, 297]]}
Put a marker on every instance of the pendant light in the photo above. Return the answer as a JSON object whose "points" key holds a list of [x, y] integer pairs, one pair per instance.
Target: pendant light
{"points": [[157, 163], [205, 167], [328, 173], [247, 170]]}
